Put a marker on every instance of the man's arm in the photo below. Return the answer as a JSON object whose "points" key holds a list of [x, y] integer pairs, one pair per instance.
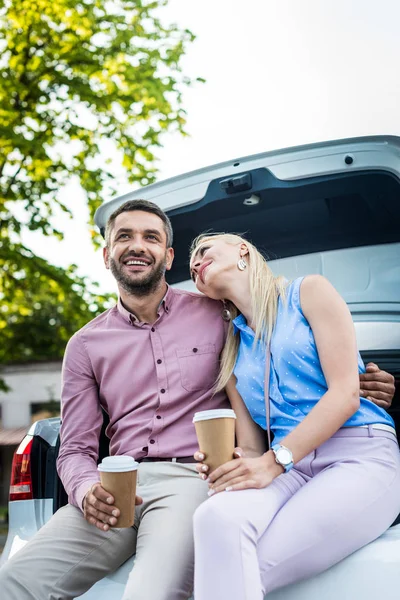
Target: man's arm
{"points": [[81, 420], [377, 386]]}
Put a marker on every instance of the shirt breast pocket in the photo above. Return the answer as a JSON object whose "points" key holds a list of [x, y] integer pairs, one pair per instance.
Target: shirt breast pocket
{"points": [[198, 366]]}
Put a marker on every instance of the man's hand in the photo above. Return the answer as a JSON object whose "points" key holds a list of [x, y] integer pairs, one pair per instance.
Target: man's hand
{"points": [[377, 386], [99, 509]]}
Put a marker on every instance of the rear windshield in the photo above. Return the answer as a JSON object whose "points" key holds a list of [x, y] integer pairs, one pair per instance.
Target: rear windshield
{"points": [[297, 217]]}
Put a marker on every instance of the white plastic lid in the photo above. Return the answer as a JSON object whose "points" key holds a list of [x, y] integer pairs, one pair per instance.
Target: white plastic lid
{"points": [[218, 413], [117, 464]]}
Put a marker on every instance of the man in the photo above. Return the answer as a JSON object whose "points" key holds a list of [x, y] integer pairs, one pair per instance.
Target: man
{"points": [[150, 362]]}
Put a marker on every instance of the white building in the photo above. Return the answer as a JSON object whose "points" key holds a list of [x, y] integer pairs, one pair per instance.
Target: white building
{"points": [[34, 393]]}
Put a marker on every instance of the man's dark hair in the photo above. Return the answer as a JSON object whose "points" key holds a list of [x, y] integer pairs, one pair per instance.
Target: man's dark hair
{"points": [[145, 206]]}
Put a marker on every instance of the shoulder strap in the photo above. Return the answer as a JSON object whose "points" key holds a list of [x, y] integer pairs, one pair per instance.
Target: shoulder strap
{"points": [[266, 391]]}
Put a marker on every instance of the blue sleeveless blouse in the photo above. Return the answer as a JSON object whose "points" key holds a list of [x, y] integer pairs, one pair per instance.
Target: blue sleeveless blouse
{"points": [[296, 381]]}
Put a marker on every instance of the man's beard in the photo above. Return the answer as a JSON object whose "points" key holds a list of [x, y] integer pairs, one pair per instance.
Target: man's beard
{"points": [[142, 287]]}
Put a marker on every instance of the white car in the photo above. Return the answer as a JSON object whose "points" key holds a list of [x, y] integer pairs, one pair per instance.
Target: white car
{"points": [[331, 208]]}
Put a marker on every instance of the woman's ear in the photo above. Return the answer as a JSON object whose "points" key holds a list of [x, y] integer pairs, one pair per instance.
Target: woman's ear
{"points": [[244, 251]]}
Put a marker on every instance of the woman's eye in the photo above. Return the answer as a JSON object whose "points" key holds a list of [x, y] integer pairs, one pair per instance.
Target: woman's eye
{"points": [[203, 250]]}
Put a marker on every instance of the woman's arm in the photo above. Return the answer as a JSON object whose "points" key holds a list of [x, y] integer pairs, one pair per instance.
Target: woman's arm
{"points": [[249, 436], [333, 329]]}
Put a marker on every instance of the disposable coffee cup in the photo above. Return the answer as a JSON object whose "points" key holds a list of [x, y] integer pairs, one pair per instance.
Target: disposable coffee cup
{"points": [[215, 431], [118, 476]]}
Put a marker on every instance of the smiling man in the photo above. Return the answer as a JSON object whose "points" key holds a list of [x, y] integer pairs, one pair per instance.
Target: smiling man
{"points": [[150, 363], [139, 271]]}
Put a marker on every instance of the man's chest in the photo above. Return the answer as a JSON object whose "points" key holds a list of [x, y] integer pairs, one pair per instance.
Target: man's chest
{"points": [[143, 361]]}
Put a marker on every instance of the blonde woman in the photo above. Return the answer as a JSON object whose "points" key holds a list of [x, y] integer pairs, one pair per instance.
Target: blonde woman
{"points": [[331, 481]]}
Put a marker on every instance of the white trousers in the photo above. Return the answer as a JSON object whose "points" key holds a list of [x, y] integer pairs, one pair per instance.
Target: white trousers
{"points": [[68, 555], [337, 499]]}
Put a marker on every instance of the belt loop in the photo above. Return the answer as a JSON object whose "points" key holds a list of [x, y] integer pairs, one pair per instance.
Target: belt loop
{"points": [[370, 431], [173, 459]]}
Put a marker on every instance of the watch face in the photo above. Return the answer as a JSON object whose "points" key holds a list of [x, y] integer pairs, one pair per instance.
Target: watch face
{"points": [[284, 456]]}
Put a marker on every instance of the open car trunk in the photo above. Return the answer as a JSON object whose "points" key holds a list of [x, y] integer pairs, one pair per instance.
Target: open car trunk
{"points": [[331, 208]]}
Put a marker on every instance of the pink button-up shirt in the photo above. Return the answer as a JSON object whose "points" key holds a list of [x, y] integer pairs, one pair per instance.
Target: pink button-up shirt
{"points": [[149, 378]]}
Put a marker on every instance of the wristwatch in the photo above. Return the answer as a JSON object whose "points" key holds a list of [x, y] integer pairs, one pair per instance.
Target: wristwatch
{"points": [[283, 456]]}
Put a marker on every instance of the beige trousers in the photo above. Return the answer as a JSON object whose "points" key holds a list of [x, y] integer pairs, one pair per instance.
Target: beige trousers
{"points": [[68, 555]]}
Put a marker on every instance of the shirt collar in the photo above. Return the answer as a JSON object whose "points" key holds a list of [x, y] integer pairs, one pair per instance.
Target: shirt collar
{"points": [[240, 324], [165, 305]]}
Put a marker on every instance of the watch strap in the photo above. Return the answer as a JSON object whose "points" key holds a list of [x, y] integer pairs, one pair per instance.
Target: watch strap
{"points": [[275, 449]]}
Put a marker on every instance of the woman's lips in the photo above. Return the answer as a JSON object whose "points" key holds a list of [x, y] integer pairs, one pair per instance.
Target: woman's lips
{"points": [[202, 269]]}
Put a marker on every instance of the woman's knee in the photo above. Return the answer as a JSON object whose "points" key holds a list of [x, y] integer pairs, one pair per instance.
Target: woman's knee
{"points": [[220, 519], [212, 512]]}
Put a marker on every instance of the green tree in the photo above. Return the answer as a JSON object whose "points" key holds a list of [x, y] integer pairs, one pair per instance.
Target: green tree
{"points": [[85, 86]]}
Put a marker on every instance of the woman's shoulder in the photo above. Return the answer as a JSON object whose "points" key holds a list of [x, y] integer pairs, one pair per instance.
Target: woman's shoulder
{"points": [[315, 284], [306, 286], [292, 289]]}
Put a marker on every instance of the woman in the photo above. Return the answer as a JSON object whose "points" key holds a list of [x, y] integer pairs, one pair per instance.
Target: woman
{"points": [[331, 481]]}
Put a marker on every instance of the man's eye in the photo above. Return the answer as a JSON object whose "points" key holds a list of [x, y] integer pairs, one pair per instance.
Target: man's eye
{"points": [[152, 237], [122, 236]]}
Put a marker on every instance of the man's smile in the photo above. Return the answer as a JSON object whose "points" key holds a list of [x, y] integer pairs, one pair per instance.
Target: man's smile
{"points": [[136, 264]]}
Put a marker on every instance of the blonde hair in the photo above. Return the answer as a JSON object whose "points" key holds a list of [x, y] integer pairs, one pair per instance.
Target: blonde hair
{"points": [[265, 290]]}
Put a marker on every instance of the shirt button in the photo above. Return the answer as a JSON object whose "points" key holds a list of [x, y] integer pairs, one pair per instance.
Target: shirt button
{"points": [[162, 391], [158, 417], [152, 329], [145, 448], [195, 349], [159, 361], [152, 441]]}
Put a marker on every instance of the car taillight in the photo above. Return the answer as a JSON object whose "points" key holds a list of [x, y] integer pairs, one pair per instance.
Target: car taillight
{"points": [[21, 478]]}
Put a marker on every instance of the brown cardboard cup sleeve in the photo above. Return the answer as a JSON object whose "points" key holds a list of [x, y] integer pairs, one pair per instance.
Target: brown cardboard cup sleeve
{"points": [[118, 475], [215, 431]]}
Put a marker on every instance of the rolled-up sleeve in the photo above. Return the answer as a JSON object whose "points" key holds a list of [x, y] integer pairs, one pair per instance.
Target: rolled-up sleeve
{"points": [[82, 419]]}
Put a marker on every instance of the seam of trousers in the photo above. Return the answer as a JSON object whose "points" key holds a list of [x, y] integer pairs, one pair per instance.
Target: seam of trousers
{"points": [[332, 532], [242, 566], [254, 544], [74, 566]]}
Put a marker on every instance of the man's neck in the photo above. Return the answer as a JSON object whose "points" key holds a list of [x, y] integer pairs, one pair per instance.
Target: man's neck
{"points": [[144, 308]]}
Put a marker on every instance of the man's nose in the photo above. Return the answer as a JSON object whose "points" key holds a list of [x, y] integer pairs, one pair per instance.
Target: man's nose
{"points": [[137, 245]]}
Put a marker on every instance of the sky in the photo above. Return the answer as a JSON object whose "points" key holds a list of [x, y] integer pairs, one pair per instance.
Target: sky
{"points": [[279, 73]]}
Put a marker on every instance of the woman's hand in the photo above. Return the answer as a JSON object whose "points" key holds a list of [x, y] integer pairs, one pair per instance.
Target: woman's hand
{"points": [[245, 473], [203, 469]]}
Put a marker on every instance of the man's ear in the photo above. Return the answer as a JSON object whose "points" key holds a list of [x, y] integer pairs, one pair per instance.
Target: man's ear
{"points": [[170, 258], [106, 257]]}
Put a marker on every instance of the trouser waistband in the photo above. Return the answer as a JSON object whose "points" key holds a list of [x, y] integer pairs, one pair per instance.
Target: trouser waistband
{"points": [[380, 427], [373, 430]]}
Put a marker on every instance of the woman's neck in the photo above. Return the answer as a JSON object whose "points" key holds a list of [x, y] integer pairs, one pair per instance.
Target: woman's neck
{"points": [[239, 294]]}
